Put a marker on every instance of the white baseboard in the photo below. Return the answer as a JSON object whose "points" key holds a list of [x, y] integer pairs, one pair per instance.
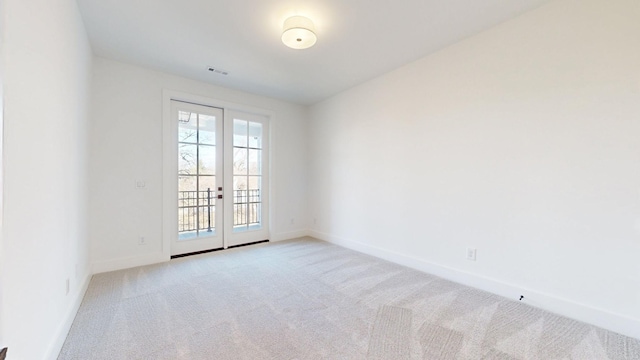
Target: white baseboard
{"points": [[289, 235], [571, 309], [141, 260], [128, 262], [63, 329]]}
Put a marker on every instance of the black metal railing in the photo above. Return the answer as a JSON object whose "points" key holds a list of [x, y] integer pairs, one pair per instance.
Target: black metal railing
{"points": [[196, 209], [246, 207]]}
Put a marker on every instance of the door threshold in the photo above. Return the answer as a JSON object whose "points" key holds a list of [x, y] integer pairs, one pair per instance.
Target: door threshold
{"points": [[247, 244], [217, 249]]}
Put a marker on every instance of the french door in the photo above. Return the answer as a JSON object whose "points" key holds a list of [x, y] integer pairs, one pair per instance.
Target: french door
{"points": [[221, 177]]}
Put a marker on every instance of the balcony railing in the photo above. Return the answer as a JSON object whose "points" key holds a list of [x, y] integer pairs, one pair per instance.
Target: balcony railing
{"points": [[196, 209], [246, 207]]}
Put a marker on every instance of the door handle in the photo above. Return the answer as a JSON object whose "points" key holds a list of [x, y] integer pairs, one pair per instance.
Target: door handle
{"points": [[219, 196]]}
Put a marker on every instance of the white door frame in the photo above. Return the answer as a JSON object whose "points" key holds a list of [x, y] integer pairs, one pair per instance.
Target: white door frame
{"points": [[169, 188]]}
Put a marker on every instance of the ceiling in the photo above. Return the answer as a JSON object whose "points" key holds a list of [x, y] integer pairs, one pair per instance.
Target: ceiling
{"points": [[357, 39]]}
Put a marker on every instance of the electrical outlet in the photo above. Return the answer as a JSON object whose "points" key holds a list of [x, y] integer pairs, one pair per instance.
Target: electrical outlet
{"points": [[471, 254], [67, 287], [142, 240]]}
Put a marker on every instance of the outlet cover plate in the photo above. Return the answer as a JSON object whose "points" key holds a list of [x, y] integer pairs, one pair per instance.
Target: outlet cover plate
{"points": [[471, 254]]}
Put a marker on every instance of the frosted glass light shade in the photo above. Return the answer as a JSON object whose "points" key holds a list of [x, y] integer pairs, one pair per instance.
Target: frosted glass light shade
{"points": [[298, 33]]}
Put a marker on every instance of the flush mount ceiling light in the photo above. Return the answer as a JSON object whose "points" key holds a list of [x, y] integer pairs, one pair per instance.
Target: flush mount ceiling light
{"points": [[298, 33]]}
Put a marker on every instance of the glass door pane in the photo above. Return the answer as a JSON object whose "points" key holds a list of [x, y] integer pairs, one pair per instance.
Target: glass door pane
{"points": [[247, 171], [197, 174]]}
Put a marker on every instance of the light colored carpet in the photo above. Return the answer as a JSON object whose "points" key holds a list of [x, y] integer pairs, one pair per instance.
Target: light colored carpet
{"points": [[307, 299]]}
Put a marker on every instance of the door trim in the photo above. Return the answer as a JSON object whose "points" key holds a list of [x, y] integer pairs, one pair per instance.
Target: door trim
{"points": [[169, 227]]}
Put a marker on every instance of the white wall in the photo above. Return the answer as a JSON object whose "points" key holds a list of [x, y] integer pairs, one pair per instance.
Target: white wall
{"points": [[522, 142], [126, 144], [47, 73]]}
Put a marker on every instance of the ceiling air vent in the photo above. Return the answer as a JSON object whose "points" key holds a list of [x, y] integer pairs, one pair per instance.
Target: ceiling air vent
{"points": [[218, 71]]}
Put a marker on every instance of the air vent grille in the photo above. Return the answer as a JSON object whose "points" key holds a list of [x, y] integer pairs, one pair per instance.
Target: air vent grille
{"points": [[217, 70]]}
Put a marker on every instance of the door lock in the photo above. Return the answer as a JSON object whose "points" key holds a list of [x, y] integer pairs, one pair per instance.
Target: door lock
{"points": [[219, 196]]}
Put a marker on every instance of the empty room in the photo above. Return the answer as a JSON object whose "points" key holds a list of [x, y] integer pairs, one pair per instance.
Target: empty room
{"points": [[265, 179]]}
